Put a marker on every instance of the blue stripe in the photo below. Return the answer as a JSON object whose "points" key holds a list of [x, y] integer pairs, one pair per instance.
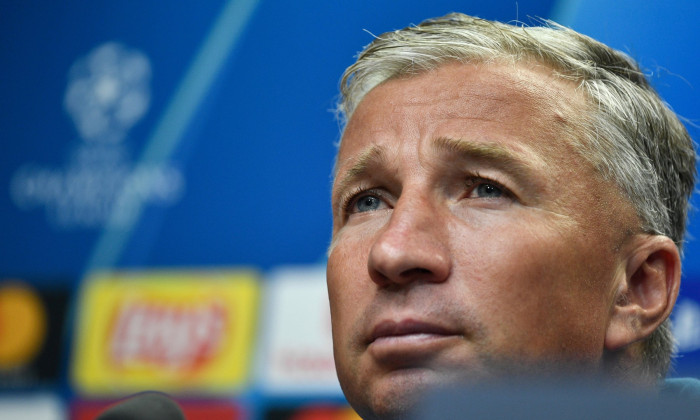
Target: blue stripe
{"points": [[564, 12], [206, 66]]}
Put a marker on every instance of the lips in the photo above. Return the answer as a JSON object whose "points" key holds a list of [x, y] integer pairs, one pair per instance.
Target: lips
{"points": [[410, 343], [388, 329]]}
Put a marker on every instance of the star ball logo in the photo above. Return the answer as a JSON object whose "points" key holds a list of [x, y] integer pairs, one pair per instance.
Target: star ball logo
{"points": [[108, 92]]}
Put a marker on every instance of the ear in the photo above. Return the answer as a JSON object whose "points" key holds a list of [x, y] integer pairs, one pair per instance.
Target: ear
{"points": [[645, 297]]}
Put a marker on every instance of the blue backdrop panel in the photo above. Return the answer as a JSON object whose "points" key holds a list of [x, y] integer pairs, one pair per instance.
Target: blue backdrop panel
{"points": [[229, 161], [663, 37], [179, 134]]}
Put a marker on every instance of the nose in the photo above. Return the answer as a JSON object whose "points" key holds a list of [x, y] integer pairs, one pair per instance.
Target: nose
{"points": [[411, 247]]}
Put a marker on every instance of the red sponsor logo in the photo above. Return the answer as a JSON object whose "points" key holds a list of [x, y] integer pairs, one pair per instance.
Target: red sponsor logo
{"points": [[308, 363], [167, 335]]}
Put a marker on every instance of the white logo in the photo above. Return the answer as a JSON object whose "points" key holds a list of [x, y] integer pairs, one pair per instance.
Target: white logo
{"points": [[108, 92]]}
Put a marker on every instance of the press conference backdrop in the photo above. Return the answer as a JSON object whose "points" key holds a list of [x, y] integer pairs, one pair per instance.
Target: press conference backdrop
{"points": [[165, 184]]}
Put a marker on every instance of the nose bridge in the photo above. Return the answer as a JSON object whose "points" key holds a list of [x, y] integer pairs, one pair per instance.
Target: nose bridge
{"points": [[414, 213], [414, 243]]}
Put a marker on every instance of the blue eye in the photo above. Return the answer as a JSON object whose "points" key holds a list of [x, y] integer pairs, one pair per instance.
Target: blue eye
{"points": [[485, 190], [367, 203]]}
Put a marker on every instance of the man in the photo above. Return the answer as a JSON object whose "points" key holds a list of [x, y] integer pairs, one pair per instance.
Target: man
{"points": [[507, 201]]}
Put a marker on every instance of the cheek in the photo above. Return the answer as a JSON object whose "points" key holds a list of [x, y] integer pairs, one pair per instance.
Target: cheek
{"points": [[347, 279], [536, 292]]}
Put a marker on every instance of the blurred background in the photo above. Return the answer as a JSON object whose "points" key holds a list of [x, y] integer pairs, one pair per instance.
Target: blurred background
{"points": [[164, 191]]}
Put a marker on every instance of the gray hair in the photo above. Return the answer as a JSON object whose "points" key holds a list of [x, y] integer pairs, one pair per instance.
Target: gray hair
{"points": [[631, 135]]}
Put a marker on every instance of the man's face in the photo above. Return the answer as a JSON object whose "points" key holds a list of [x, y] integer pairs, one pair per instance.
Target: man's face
{"points": [[469, 235]]}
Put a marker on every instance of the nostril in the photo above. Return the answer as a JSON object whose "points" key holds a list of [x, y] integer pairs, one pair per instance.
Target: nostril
{"points": [[416, 271]]}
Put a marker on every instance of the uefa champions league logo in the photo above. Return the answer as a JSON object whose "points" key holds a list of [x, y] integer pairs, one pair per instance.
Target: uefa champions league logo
{"points": [[108, 92]]}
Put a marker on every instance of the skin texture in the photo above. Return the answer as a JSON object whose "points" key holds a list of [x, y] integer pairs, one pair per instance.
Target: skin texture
{"points": [[471, 240]]}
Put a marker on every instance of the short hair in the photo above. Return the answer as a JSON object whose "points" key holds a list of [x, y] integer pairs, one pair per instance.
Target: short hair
{"points": [[630, 134]]}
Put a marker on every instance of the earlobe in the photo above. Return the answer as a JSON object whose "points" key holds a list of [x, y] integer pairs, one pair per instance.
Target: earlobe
{"points": [[647, 293]]}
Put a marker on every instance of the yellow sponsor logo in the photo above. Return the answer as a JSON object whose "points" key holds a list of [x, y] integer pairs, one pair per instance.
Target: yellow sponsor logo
{"points": [[172, 331]]}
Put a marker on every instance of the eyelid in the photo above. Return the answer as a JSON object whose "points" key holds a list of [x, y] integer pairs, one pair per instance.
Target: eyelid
{"points": [[475, 179], [350, 198]]}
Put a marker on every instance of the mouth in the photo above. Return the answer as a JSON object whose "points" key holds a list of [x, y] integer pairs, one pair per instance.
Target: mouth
{"points": [[408, 342], [406, 329]]}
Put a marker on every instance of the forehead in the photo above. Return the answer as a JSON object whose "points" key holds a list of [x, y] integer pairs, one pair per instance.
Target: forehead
{"points": [[526, 103], [516, 119]]}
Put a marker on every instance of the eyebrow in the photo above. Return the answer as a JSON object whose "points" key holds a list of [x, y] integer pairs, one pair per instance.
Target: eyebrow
{"points": [[496, 154], [372, 156], [466, 150]]}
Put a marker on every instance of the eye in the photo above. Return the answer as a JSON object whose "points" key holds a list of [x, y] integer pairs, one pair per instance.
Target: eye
{"points": [[364, 201], [485, 188], [367, 203]]}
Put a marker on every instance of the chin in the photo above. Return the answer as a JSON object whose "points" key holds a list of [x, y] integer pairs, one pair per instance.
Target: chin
{"points": [[392, 402], [396, 394]]}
